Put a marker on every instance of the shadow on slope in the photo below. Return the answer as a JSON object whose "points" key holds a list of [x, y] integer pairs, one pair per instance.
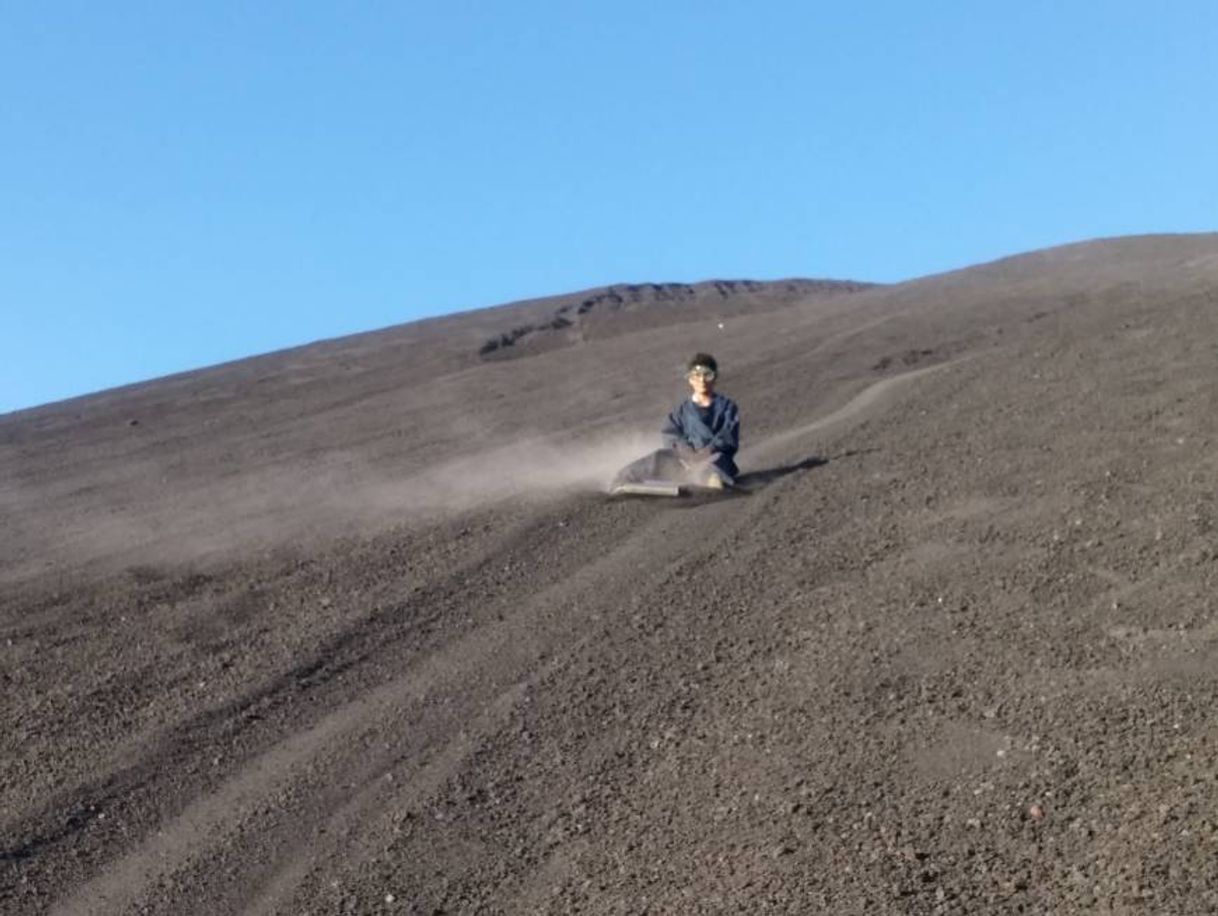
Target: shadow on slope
{"points": [[754, 480]]}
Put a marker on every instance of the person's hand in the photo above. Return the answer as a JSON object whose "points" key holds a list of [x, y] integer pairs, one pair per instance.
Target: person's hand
{"points": [[692, 457]]}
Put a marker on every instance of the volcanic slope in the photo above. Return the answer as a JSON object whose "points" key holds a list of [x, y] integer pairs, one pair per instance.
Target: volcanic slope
{"points": [[350, 629]]}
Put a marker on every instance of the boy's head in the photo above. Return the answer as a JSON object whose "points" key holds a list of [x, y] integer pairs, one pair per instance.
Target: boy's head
{"points": [[701, 371], [702, 363]]}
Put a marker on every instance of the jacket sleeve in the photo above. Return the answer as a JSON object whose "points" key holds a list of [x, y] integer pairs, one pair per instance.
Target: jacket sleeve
{"points": [[672, 431], [727, 436]]}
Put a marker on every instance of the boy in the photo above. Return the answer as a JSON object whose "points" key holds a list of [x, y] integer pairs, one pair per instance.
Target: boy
{"points": [[701, 436]]}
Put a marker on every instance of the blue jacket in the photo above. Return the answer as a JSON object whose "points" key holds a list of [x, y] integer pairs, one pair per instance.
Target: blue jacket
{"points": [[716, 427]]}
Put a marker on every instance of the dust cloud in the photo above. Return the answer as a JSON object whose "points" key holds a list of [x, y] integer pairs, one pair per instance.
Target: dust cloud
{"points": [[537, 468], [263, 508]]}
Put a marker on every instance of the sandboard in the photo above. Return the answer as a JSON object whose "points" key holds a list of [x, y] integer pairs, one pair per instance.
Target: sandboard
{"points": [[646, 488]]}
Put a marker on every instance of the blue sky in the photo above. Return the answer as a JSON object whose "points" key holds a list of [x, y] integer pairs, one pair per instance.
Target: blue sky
{"points": [[186, 183]]}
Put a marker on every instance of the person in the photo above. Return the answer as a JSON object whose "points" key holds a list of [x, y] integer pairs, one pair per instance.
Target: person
{"points": [[701, 436]]}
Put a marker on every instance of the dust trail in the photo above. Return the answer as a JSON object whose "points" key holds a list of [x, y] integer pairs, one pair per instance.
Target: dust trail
{"points": [[856, 405], [531, 469], [281, 506]]}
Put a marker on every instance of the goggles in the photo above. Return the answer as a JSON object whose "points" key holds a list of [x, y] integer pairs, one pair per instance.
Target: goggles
{"points": [[703, 371]]}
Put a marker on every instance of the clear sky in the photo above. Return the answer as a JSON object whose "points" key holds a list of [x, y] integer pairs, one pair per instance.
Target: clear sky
{"points": [[186, 183]]}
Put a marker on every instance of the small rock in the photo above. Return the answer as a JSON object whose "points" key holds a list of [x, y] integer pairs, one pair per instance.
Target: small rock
{"points": [[1036, 812], [389, 898]]}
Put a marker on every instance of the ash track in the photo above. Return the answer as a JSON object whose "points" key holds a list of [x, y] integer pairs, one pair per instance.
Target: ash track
{"points": [[389, 745], [379, 731], [966, 667]]}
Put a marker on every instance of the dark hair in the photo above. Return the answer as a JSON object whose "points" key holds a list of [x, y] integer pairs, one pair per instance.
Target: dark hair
{"points": [[703, 359]]}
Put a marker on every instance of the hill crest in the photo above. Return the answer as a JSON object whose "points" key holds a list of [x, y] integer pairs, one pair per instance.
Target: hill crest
{"points": [[578, 316]]}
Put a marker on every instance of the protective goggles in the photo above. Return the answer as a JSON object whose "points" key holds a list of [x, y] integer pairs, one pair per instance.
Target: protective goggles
{"points": [[704, 371]]}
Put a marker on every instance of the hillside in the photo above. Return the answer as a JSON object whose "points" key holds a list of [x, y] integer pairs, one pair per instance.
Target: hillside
{"points": [[350, 628]]}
